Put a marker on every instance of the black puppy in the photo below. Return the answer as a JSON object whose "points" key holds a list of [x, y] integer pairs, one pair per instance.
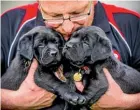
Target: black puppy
{"points": [[41, 43], [45, 45], [90, 47]]}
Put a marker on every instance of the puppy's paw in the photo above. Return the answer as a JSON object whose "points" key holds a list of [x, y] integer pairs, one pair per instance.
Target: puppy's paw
{"points": [[74, 98]]}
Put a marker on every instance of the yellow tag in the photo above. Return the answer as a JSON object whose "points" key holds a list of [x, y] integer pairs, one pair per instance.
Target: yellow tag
{"points": [[77, 76]]}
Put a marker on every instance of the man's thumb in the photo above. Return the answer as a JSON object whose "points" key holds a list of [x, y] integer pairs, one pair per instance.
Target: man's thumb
{"points": [[32, 69], [108, 76]]}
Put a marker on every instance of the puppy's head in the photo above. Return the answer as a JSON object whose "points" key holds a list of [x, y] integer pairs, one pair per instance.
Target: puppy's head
{"points": [[42, 43], [87, 45]]}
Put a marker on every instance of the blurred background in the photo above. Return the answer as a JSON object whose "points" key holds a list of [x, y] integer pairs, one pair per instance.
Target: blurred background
{"points": [[133, 5]]}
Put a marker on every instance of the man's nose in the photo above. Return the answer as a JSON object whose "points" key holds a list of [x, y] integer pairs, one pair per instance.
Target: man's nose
{"points": [[68, 26]]}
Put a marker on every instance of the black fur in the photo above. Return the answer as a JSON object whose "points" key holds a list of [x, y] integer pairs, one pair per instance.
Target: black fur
{"points": [[45, 45], [90, 47]]}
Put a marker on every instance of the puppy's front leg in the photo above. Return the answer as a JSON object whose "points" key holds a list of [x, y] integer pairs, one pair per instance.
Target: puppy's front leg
{"points": [[49, 82], [125, 76], [97, 87], [15, 74]]}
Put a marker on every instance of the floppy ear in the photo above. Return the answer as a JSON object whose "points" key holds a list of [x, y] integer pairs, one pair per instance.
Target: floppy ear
{"points": [[25, 46], [62, 41], [101, 49]]}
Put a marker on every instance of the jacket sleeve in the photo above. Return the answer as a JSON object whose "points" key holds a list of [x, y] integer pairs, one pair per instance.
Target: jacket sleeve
{"points": [[5, 41], [10, 22], [130, 26], [136, 46]]}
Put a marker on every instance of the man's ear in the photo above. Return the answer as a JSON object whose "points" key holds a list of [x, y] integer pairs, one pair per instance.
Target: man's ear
{"points": [[25, 46], [101, 49]]}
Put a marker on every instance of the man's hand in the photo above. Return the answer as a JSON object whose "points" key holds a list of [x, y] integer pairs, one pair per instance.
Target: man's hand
{"points": [[114, 97], [29, 95]]}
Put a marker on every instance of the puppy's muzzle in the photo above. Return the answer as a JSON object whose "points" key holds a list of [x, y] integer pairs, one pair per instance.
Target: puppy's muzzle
{"points": [[50, 56], [53, 53], [74, 52]]}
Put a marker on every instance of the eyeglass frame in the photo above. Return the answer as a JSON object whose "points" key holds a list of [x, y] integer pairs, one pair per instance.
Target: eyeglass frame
{"points": [[69, 18]]}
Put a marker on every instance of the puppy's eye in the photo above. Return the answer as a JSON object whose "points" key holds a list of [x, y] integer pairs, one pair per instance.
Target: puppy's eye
{"points": [[44, 41], [85, 39], [55, 42], [41, 45]]}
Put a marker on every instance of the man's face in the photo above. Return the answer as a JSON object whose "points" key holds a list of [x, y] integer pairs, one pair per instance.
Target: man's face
{"points": [[55, 11]]}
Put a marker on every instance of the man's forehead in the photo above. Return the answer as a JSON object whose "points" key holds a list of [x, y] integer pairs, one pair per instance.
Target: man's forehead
{"points": [[63, 6]]}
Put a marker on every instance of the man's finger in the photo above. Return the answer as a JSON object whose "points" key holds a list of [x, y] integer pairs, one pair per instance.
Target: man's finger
{"points": [[108, 76], [33, 67], [32, 70]]}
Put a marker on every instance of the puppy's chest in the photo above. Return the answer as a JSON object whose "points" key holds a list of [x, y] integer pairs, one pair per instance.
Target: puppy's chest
{"points": [[70, 81]]}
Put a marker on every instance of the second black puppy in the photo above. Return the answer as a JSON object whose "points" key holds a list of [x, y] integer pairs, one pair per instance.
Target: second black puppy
{"points": [[45, 45], [90, 47]]}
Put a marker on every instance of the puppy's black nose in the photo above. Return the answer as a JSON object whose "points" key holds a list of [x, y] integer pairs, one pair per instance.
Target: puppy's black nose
{"points": [[69, 45], [53, 53]]}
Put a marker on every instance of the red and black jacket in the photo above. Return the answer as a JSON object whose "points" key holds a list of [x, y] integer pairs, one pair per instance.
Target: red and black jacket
{"points": [[122, 27]]}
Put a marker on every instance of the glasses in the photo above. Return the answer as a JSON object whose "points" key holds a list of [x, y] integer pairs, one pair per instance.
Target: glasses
{"points": [[59, 21]]}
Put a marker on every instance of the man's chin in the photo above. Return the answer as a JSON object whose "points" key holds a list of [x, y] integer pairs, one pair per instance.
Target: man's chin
{"points": [[66, 37]]}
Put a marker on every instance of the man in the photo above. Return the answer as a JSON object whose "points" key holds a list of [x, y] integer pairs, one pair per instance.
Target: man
{"points": [[65, 17]]}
